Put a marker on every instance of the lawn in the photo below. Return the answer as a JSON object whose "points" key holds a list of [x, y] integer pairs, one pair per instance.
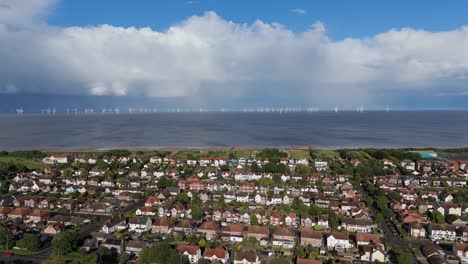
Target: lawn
{"points": [[31, 164]]}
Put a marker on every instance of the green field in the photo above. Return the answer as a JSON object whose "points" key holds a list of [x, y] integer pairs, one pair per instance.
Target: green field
{"points": [[31, 164]]}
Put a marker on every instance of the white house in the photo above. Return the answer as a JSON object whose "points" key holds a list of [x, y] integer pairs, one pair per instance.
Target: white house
{"points": [[140, 224], [338, 241]]}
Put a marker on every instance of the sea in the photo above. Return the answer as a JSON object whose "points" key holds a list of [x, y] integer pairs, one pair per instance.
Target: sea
{"points": [[327, 130]]}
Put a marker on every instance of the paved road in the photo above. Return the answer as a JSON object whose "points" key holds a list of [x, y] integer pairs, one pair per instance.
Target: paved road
{"points": [[84, 232]]}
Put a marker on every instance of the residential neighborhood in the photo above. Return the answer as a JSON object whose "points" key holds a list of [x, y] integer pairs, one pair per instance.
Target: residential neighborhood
{"points": [[268, 207]]}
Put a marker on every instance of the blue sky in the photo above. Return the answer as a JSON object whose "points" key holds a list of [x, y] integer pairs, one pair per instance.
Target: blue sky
{"points": [[236, 53], [342, 18]]}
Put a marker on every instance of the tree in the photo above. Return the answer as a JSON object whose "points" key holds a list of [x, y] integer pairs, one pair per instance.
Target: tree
{"points": [[437, 217], [302, 169], [196, 213], [280, 261], [405, 258], [5, 237], [29, 242], [182, 197], [202, 243], [253, 219], [379, 218], [204, 261], [124, 258], [300, 253], [159, 253], [62, 243]]}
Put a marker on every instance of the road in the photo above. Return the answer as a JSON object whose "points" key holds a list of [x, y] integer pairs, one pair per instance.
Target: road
{"points": [[394, 240], [83, 233]]}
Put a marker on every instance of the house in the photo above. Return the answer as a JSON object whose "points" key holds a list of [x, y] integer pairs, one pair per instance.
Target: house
{"points": [[290, 220], [246, 257], [373, 253], [184, 226], [145, 210], [364, 239], [442, 232], [113, 244], [53, 229], [308, 261], [18, 213], [58, 158], [219, 254], [338, 241], [192, 252], [323, 221], [135, 247], [232, 233], [284, 237], [209, 229], [38, 215], [139, 224], [161, 226], [307, 221], [114, 224], [461, 251], [311, 237], [416, 230], [259, 232], [4, 212], [357, 225]]}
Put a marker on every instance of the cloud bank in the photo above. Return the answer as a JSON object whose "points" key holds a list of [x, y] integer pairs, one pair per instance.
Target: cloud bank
{"points": [[206, 57]]}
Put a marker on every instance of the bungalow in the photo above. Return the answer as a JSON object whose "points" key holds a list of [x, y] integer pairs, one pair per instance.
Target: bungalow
{"points": [[192, 252], [209, 230], [38, 215], [184, 226], [259, 232], [442, 232], [357, 225], [338, 241], [135, 247], [364, 239], [310, 237], [246, 257], [161, 226], [284, 237], [232, 233], [145, 210], [113, 244], [18, 213], [216, 254]]}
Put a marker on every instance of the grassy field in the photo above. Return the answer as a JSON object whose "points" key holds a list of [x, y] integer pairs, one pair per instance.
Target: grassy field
{"points": [[31, 164]]}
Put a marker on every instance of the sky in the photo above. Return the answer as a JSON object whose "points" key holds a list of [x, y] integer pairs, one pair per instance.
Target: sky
{"points": [[235, 53]]}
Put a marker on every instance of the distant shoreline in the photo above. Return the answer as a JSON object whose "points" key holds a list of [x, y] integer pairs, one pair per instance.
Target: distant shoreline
{"points": [[236, 148]]}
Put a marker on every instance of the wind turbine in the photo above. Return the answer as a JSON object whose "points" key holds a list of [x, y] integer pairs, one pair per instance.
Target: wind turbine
{"points": [[19, 111], [53, 111], [336, 109]]}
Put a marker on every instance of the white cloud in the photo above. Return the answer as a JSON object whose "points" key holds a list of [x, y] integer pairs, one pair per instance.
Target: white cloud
{"points": [[209, 53], [298, 11]]}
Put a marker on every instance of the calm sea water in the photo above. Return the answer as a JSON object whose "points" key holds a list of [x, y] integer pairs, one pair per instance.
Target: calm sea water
{"points": [[198, 130]]}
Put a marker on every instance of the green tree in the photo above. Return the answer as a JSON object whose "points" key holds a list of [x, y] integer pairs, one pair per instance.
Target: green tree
{"points": [[300, 253], [404, 258], [253, 219], [437, 217], [182, 197], [29, 242], [62, 244], [196, 213], [204, 261], [6, 238], [281, 261], [302, 169], [202, 243], [159, 253], [124, 258], [379, 218]]}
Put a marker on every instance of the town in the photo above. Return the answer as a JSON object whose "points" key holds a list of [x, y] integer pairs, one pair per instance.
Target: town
{"points": [[234, 206]]}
